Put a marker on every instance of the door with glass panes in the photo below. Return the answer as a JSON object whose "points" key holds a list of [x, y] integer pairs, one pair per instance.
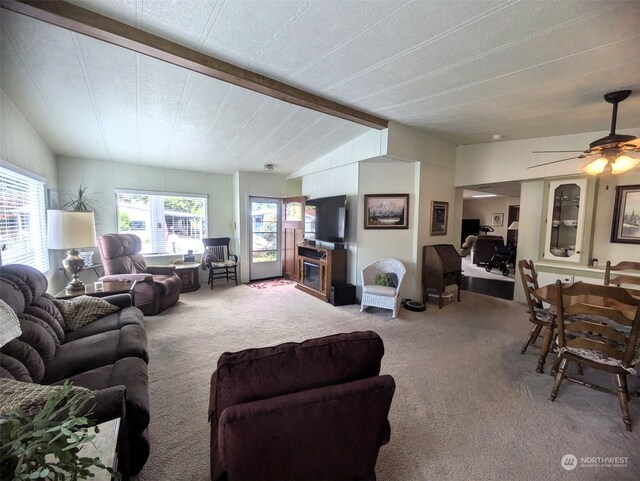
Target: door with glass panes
{"points": [[264, 227]]}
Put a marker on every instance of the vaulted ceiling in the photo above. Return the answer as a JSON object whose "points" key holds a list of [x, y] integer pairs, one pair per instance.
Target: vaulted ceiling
{"points": [[459, 70]]}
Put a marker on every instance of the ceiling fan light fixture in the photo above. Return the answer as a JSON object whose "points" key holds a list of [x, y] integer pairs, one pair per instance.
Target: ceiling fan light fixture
{"points": [[596, 167], [623, 164]]}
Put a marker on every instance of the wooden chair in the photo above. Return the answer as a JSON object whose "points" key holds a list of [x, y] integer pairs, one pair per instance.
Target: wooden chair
{"points": [[604, 338], [538, 315], [222, 264], [622, 278]]}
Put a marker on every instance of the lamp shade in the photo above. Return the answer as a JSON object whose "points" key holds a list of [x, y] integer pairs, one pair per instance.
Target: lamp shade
{"points": [[68, 230], [513, 226]]}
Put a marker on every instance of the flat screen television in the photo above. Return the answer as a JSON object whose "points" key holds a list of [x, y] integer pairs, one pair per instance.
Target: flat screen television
{"points": [[325, 219]]}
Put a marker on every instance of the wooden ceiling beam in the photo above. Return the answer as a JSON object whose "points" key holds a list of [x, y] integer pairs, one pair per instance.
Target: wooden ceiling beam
{"points": [[86, 22]]}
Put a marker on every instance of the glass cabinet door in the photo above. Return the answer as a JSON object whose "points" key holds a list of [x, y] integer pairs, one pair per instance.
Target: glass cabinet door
{"points": [[565, 220]]}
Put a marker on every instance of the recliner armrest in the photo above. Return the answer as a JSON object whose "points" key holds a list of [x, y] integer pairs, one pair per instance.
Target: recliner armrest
{"points": [[347, 423], [161, 270], [119, 300]]}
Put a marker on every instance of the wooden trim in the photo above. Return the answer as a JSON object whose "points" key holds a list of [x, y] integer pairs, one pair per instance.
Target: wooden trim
{"points": [[86, 22]]}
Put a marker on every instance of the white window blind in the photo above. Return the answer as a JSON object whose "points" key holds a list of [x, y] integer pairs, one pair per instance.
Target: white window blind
{"points": [[165, 222], [23, 228]]}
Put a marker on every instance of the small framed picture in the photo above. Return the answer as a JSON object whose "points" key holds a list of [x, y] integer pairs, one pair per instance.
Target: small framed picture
{"points": [[625, 227], [53, 199], [386, 211], [439, 217], [497, 220]]}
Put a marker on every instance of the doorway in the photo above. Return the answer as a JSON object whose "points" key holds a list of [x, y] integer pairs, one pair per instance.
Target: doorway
{"points": [[264, 235]]}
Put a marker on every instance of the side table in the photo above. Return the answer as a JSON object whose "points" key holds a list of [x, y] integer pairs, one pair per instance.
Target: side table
{"points": [[109, 288], [189, 275]]}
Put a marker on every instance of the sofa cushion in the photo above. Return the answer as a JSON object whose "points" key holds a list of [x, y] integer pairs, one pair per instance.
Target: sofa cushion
{"points": [[11, 295], [11, 368], [82, 310], [27, 396], [27, 356], [379, 290], [9, 324], [112, 322], [96, 351], [168, 284], [255, 374]]}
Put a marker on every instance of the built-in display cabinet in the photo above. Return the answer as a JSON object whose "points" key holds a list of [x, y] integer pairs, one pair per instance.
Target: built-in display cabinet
{"points": [[568, 203]]}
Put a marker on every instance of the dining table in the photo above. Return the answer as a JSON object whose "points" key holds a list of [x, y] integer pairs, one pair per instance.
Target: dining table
{"points": [[549, 295]]}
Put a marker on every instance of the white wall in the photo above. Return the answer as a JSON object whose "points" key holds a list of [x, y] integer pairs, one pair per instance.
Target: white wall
{"points": [[483, 208], [389, 177], [21, 146]]}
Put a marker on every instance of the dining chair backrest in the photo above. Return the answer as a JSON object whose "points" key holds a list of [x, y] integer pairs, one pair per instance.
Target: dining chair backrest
{"points": [[595, 311], [529, 279], [618, 280]]}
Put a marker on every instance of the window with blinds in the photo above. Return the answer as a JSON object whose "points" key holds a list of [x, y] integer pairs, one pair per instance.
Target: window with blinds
{"points": [[23, 228], [166, 223]]}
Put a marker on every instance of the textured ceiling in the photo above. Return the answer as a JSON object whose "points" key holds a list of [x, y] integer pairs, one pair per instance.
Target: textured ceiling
{"points": [[460, 70]]}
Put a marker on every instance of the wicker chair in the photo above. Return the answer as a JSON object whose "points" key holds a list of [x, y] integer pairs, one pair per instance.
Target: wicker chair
{"points": [[375, 295]]}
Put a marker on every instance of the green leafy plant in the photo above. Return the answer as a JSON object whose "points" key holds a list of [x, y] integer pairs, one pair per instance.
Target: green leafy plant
{"points": [[47, 445], [80, 202]]}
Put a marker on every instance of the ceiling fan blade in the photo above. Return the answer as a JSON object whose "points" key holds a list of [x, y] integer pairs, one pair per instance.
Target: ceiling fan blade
{"points": [[553, 162], [554, 151]]}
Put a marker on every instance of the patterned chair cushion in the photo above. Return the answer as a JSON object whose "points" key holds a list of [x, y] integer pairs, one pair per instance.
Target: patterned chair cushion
{"points": [[227, 263], [82, 310], [28, 397], [9, 324], [543, 315], [602, 358]]}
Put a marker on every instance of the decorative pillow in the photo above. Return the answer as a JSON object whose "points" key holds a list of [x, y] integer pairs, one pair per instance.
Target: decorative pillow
{"points": [[9, 324], [82, 310], [27, 396], [381, 279], [392, 280]]}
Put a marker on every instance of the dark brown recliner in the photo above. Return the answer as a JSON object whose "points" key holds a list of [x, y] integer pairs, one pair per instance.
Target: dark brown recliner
{"points": [[311, 410], [157, 287], [485, 248]]}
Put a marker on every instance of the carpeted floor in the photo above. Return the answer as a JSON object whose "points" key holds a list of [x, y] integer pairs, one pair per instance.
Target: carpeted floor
{"points": [[467, 406]]}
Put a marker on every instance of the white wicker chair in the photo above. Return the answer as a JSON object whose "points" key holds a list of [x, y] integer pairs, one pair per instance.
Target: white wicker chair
{"points": [[382, 296]]}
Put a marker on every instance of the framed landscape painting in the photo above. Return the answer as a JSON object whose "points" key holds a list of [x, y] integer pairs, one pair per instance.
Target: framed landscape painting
{"points": [[626, 215], [386, 211]]}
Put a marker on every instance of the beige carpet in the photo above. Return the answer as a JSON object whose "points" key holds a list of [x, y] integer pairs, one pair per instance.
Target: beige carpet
{"points": [[467, 406]]}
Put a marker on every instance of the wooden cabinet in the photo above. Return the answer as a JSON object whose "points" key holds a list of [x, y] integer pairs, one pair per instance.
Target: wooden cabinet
{"points": [[319, 268], [568, 202], [441, 267], [190, 276]]}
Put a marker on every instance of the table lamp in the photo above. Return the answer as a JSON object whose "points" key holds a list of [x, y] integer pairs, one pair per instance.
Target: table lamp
{"points": [[68, 230]]}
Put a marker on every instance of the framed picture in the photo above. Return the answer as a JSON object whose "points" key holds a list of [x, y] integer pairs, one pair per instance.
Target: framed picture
{"points": [[53, 199], [497, 220], [386, 211], [626, 215], [439, 217]]}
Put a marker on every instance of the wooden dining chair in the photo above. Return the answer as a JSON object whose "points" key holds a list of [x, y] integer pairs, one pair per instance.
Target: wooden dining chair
{"points": [[605, 337], [619, 280], [540, 317], [222, 264]]}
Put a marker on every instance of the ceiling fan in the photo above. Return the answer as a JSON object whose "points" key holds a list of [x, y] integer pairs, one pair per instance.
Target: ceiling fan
{"points": [[610, 154]]}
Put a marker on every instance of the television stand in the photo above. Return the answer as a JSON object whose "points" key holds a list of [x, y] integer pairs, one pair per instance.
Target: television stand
{"points": [[319, 268]]}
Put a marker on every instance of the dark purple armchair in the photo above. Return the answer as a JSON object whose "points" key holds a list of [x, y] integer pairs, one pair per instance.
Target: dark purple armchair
{"points": [[311, 410], [157, 287]]}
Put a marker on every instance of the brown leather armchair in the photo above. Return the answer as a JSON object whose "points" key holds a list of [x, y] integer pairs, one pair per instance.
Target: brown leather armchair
{"points": [[485, 248], [157, 287]]}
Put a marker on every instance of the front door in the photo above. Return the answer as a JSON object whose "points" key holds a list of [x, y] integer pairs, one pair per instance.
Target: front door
{"points": [[264, 226]]}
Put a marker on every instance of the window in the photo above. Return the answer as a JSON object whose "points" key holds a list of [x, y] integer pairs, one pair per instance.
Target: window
{"points": [[166, 223], [23, 228]]}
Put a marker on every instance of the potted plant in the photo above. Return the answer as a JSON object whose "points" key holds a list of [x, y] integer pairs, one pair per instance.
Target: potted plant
{"points": [[47, 443]]}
